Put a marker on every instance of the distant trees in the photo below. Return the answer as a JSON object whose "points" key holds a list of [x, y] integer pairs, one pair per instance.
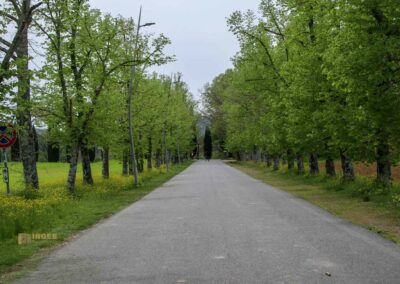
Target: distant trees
{"points": [[313, 79]]}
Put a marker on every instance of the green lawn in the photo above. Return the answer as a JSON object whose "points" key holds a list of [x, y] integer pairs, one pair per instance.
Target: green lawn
{"points": [[55, 174], [359, 202], [55, 211]]}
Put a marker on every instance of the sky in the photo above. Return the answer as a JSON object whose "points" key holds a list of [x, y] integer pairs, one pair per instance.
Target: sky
{"points": [[201, 42]]}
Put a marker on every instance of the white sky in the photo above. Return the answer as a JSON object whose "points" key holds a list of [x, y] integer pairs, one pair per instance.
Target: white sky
{"points": [[200, 38]]}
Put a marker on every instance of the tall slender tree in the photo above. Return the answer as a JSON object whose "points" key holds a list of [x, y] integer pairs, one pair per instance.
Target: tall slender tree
{"points": [[16, 53], [208, 148]]}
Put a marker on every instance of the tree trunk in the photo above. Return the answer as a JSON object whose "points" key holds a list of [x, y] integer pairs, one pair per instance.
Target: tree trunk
{"points": [[269, 161], [158, 158], [53, 152], [68, 153], [238, 156], [314, 166], [106, 163], [198, 150], [24, 118], [140, 155], [178, 153], [140, 162], [125, 164], [259, 155], [130, 163], [330, 167], [166, 158], [36, 140], [383, 169], [149, 152], [290, 159], [28, 155], [92, 154], [347, 167], [73, 165], [255, 156], [276, 163], [15, 152], [86, 168], [300, 164]]}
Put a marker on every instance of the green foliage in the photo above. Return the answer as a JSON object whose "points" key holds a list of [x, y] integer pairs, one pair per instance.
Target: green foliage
{"points": [[396, 200], [312, 77], [80, 93]]}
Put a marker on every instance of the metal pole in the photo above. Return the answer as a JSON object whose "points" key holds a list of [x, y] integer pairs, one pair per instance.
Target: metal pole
{"points": [[6, 178], [130, 95]]}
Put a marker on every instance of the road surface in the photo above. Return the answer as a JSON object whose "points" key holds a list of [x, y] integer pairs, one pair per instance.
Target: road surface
{"points": [[214, 224]]}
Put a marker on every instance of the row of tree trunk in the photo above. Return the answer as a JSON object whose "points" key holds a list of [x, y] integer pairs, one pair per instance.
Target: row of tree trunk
{"points": [[292, 159], [160, 157]]}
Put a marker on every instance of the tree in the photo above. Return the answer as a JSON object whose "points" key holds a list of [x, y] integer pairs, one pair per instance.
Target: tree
{"points": [[208, 148], [88, 55], [15, 63], [302, 84], [362, 65]]}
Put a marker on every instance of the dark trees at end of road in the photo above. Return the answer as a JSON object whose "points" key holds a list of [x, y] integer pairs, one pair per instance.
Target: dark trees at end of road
{"points": [[207, 144]]}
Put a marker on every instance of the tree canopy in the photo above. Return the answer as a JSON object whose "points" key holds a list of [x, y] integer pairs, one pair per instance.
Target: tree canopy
{"points": [[314, 79], [79, 93]]}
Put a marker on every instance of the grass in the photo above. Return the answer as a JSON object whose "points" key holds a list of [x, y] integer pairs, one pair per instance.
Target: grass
{"points": [[58, 212], [359, 202], [55, 174]]}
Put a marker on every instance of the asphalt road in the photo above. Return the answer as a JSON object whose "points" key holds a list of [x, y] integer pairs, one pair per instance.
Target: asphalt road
{"points": [[214, 224]]}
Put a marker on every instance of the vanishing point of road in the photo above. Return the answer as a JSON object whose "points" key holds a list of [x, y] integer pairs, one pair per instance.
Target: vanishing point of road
{"points": [[214, 224]]}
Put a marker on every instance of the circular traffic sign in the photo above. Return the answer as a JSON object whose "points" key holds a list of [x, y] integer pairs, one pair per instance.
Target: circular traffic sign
{"points": [[8, 135]]}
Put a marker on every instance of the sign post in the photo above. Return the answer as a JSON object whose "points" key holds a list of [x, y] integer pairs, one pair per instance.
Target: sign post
{"points": [[8, 136]]}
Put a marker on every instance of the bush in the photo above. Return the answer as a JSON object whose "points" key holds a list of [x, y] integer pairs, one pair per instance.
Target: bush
{"points": [[396, 200]]}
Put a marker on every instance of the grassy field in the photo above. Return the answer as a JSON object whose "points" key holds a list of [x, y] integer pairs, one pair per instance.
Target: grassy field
{"points": [[55, 174], [53, 210], [359, 202]]}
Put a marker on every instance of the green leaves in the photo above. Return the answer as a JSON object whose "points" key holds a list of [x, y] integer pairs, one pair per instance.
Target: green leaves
{"points": [[80, 91], [312, 76]]}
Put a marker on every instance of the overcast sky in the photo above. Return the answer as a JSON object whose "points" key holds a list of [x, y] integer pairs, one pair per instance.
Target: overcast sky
{"points": [[200, 38]]}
